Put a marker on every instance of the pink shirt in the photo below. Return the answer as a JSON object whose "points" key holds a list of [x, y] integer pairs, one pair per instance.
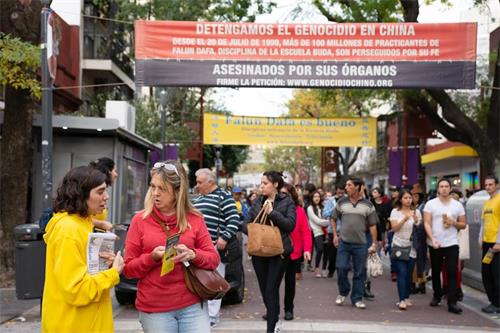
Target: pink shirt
{"points": [[157, 293], [301, 235]]}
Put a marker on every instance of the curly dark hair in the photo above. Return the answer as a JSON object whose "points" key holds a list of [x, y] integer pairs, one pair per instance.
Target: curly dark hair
{"points": [[105, 165], [74, 191]]}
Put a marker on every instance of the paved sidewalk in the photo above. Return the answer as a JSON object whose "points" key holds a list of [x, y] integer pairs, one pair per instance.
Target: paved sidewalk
{"points": [[11, 307], [314, 310]]}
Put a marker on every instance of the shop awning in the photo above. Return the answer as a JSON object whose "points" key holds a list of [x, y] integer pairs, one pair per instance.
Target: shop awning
{"points": [[460, 151]]}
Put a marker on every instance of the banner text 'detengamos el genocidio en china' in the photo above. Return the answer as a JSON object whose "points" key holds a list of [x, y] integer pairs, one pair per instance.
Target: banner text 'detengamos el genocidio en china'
{"points": [[348, 55], [319, 132]]}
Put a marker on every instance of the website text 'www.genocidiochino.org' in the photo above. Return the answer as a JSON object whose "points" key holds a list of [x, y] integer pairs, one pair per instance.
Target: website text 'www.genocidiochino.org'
{"points": [[278, 82]]}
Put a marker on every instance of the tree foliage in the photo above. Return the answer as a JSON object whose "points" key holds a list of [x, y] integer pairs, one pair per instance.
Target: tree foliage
{"points": [[19, 62], [455, 122], [301, 162], [232, 157]]}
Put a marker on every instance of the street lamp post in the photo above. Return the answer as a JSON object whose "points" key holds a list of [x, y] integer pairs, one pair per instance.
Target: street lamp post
{"points": [[46, 142], [163, 104], [218, 161]]}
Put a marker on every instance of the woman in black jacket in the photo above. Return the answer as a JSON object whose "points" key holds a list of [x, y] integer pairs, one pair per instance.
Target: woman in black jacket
{"points": [[269, 270]]}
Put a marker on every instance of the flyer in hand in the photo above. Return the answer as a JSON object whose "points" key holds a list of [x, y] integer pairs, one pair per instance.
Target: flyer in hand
{"points": [[170, 252], [97, 244]]}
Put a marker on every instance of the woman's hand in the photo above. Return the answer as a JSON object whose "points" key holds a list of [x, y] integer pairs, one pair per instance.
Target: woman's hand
{"points": [[307, 255], [414, 216], [118, 263], [158, 252], [104, 225], [108, 256], [184, 253], [268, 206]]}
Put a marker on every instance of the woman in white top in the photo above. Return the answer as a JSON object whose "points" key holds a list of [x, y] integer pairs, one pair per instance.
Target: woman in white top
{"points": [[403, 219], [318, 226]]}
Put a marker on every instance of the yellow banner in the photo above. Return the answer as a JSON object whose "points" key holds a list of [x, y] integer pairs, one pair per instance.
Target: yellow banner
{"points": [[320, 132]]}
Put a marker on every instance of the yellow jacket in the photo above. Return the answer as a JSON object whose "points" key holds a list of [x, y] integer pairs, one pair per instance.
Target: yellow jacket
{"points": [[73, 300]]}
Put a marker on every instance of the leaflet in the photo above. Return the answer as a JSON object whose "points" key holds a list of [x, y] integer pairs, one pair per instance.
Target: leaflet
{"points": [[170, 252], [99, 243]]}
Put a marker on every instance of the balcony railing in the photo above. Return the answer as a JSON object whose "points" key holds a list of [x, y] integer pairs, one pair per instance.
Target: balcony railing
{"points": [[106, 40]]}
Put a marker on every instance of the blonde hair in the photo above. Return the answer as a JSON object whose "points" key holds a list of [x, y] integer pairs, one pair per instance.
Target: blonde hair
{"points": [[177, 180]]}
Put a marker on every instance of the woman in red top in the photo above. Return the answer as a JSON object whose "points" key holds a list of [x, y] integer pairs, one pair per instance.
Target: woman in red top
{"points": [[164, 302], [302, 244]]}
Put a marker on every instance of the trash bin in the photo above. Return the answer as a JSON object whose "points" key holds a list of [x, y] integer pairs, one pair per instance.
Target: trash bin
{"points": [[30, 261]]}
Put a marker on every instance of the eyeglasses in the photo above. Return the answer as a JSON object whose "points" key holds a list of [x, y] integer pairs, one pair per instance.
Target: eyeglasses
{"points": [[166, 166]]}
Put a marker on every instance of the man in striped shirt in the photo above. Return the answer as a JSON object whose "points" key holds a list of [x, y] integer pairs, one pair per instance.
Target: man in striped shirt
{"points": [[222, 220]]}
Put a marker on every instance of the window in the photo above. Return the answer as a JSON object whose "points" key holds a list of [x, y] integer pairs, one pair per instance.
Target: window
{"points": [[135, 184]]}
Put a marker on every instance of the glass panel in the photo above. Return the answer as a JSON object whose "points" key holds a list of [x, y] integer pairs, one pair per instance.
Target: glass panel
{"points": [[134, 188]]}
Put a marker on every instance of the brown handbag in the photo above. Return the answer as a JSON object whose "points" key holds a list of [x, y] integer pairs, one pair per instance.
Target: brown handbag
{"points": [[206, 283], [264, 240]]}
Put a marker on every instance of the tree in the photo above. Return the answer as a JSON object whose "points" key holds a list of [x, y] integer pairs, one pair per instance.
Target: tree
{"points": [[20, 21], [231, 156], [335, 103], [299, 161], [453, 123]]}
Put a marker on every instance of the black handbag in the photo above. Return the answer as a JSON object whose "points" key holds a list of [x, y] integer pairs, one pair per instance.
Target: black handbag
{"points": [[400, 252], [232, 251]]}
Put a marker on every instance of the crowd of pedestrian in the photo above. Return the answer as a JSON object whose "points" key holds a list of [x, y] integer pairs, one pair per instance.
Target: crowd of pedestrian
{"points": [[322, 232]]}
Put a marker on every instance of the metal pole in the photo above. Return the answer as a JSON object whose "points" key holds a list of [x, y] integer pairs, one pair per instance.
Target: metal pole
{"points": [[202, 147], [323, 163], [163, 103], [46, 113]]}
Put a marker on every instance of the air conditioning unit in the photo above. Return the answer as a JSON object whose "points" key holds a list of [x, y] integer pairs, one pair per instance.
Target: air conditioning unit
{"points": [[124, 112]]}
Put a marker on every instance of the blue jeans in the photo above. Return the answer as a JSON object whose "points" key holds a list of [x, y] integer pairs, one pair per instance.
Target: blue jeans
{"points": [[390, 236], [404, 269], [358, 254], [191, 319]]}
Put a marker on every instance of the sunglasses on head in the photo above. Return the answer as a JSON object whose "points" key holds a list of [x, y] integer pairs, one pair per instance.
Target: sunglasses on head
{"points": [[166, 166]]}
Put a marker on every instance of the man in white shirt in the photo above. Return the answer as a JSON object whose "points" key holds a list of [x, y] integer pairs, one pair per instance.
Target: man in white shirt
{"points": [[443, 217]]}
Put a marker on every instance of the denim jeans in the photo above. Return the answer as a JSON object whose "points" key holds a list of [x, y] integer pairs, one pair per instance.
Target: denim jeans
{"points": [[390, 236], [191, 319], [404, 269], [358, 254]]}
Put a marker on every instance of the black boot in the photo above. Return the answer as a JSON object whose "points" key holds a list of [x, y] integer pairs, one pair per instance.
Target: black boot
{"points": [[460, 295], [368, 293], [421, 288], [413, 290]]}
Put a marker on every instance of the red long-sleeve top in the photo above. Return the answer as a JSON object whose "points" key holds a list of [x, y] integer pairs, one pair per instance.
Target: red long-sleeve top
{"points": [[301, 235], [157, 293]]}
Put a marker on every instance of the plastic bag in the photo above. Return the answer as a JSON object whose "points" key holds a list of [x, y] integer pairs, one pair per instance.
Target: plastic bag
{"points": [[374, 265]]}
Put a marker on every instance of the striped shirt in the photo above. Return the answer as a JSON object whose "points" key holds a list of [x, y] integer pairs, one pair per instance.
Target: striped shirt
{"points": [[356, 219], [219, 210]]}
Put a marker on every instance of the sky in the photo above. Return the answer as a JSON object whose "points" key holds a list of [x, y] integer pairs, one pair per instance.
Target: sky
{"points": [[272, 101]]}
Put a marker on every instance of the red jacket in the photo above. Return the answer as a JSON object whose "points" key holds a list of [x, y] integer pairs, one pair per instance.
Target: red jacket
{"points": [[301, 235], [157, 293]]}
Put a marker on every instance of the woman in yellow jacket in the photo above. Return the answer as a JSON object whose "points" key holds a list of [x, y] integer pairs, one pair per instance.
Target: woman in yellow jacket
{"points": [[73, 300]]}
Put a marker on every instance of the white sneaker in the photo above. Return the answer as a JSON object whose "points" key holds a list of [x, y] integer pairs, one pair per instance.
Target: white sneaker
{"points": [[278, 326], [340, 300], [360, 305]]}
